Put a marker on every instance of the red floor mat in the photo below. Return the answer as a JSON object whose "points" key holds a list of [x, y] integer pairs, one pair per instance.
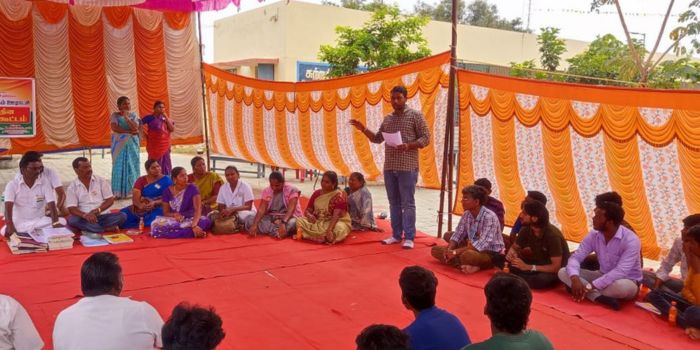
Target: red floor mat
{"points": [[299, 295]]}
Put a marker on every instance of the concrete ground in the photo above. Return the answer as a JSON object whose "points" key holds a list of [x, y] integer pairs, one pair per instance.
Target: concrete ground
{"points": [[427, 200]]}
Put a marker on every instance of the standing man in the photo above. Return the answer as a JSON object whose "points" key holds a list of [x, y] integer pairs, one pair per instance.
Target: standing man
{"points": [[158, 136], [401, 164]]}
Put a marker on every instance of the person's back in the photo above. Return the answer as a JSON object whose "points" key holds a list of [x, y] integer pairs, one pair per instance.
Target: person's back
{"points": [[527, 340], [16, 328], [102, 319], [107, 322], [435, 328], [508, 302]]}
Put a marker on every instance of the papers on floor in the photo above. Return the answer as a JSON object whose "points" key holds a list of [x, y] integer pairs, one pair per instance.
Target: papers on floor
{"points": [[92, 242], [649, 307], [117, 238], [23, 243], [56, 238], [392, 139]]}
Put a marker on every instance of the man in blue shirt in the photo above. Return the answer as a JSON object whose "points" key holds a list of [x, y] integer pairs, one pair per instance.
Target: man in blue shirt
{"points": [[434, 328]]}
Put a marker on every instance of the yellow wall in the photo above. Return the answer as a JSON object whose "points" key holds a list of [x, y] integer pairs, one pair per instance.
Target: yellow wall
{"points": [[294, 31]]}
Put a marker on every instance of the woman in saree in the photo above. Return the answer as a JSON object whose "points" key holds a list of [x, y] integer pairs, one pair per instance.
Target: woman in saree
{"points": [[326, 219], [125, 148], [360, 204], [158, 130], [208, 183], [279, 209], [148, 193], [182, 210]]}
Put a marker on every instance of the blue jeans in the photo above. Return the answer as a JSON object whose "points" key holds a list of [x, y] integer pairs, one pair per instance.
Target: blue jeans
{"points": [[103, 221], [401, 190]]}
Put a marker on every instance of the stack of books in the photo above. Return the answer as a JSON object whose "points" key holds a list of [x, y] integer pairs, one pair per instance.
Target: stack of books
{"points": [[23, 243], [56, 238]]}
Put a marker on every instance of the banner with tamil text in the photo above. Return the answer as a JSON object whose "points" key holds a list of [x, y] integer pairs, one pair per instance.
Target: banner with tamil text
{"points": [[17, 107]]}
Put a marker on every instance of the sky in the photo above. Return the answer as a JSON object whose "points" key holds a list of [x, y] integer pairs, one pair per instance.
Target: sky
{"points": [[572, 17]]}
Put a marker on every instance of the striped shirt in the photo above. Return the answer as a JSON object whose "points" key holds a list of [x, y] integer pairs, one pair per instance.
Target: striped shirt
{"points": [[484, 231], [413, 128]]}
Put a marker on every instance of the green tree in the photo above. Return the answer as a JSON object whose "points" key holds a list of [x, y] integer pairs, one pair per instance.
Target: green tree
{"points": [[689, 28], [363, 5], [480, 13], [675, 74], [442, 11], [551, 48], [607, 58], [385, 40]]}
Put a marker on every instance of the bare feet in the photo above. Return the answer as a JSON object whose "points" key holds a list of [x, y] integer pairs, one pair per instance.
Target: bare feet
{"points": [[330, 237], [112, 229], [469, 269]]}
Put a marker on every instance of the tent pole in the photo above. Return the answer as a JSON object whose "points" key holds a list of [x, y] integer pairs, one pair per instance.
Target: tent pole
{"points": [[447, 160], [204, 88]]}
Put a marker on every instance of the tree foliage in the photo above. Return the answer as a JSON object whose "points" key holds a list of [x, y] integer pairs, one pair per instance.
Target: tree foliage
{"points": [[442, 11], [551, 48], [607, 58], [385, 40], [363, 5], [481, 14]]}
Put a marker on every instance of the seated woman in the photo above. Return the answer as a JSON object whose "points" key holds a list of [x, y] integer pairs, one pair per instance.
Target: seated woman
{"points": [[207, 182], [360, 204], [182, 210], [326, 218], [147, 193], [235, 202], [278, 211]]}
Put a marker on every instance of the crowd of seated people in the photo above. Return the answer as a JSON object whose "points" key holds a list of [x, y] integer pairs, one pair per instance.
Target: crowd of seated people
{"points": [[606, 268]]}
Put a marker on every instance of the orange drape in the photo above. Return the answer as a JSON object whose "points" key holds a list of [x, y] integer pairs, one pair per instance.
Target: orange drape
{"points": [[505, 160], [177, 20], [151, 77], [625, 174], [283, 139], [117, 16], [561, 177], [259, 136], [330, 135], [690, 174], [89, 83], [52, 12], [364, 152]]}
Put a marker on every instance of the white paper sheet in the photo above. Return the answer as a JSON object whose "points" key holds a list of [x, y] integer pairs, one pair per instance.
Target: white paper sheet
{"points": [[392, 139]]}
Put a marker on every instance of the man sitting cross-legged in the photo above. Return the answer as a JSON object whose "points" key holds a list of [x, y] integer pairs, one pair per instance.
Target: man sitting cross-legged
{"points": [[477, 243], [88, 196], [540, 250], [688, 302], [661, 278], [617, 248]]}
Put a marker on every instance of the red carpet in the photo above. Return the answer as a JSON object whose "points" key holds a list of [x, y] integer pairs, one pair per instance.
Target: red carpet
{"points": [[298, 295]]}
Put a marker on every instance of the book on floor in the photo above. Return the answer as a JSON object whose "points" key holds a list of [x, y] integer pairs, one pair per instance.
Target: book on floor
{"points": [[648, 306], [92, 242], [117, 238], [23, 243], [54, 233]]}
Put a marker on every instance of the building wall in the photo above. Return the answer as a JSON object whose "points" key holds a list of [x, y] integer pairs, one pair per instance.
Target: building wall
{"points": [[293, 31]]}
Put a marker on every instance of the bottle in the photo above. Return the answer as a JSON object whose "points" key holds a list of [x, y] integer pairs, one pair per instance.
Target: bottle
{"points": [[643, 292], [672, 314], [141, 225]]}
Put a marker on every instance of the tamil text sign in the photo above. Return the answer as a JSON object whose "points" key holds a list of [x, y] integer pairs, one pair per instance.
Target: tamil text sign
{"points": [[17, 107]]}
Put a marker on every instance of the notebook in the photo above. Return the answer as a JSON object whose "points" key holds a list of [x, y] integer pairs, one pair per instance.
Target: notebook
{"points": [[648, 306], [92, 242], [117, 238]]}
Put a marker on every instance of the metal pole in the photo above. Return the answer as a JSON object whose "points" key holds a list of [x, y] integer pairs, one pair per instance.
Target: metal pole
{"points": [[204, 88], [448, 147]]}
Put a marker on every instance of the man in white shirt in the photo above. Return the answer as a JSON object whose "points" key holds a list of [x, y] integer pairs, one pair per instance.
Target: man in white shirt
{"points": [[661, 278], [16, 328], [235, 200], [26, 198], [102, 319], [54, 181], [88, 196]]}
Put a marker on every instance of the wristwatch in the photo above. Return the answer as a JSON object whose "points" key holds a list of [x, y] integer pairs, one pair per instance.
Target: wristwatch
{"points": [[534, 268]]}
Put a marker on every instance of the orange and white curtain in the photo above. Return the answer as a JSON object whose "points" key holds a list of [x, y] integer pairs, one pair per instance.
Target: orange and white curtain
{"points": [[306, 125], [84, 58], [573, 142]]}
